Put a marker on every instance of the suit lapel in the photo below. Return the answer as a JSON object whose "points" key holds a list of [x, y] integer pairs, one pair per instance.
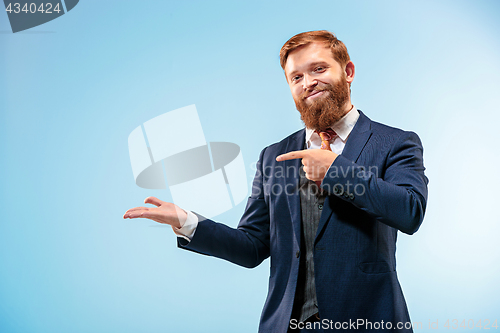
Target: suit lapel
{"points": [[358, 138], [292, 179], [354, 146]]}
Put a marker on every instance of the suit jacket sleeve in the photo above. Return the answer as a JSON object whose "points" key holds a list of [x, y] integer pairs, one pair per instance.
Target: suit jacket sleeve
{"points": [[248, 244], [395, 194]]}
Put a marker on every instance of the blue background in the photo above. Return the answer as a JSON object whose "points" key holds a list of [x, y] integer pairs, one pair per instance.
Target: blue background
{"points": [[73, 89]]}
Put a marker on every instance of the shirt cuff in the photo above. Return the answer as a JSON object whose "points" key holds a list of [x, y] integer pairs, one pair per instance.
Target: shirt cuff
{"points": [[189, 227]]}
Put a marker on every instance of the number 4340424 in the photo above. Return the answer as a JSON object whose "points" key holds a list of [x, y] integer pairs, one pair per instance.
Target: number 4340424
{"points": [[33, 8], [470, 324]]}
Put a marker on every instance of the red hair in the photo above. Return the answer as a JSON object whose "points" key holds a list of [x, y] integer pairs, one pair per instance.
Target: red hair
{"points": [[339, 51]]}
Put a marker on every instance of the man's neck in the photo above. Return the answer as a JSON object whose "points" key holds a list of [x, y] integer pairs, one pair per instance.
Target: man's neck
{"points": [[346, 111]]}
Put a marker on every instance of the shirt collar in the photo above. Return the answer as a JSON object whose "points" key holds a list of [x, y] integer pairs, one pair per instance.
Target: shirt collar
{"points": [[343, 127]]}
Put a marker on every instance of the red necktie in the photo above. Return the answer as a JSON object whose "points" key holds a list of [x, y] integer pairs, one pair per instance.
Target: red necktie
{"points": [[326, 136]]}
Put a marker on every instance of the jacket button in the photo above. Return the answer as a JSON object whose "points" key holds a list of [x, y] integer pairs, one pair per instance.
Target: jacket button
{"points": [[297, 254], [320, 206], [338, 190]]}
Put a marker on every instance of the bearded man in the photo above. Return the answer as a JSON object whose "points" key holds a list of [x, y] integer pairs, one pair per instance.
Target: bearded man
{"points": [[346, 186]]}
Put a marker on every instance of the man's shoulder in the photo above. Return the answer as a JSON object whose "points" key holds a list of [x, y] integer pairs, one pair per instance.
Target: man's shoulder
{"points": [[294, 141], [384, 134], [379, 128], [295, 136]]}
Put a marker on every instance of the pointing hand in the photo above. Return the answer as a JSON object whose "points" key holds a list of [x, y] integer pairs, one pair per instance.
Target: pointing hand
{"points": [[316, 161]]}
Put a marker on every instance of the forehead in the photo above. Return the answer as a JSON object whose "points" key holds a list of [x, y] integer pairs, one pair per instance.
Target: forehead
{"points": [[300, 58]]}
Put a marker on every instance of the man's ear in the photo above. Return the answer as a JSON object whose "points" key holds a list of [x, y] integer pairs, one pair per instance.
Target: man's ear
{"points": [[349, 72]]}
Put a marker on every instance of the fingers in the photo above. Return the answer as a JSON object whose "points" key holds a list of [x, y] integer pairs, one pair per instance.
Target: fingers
{"points": [[154, 201], [136, 208], [144, 214], [165, 212], [308, 173], [292, 155], [135, 212]]}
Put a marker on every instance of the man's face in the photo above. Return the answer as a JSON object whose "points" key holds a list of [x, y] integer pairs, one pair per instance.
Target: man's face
{"points": [[319, 85]]}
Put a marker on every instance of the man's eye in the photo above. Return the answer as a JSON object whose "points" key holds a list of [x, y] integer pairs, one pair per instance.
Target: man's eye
{"points": [[295, 78], [319, 69]]}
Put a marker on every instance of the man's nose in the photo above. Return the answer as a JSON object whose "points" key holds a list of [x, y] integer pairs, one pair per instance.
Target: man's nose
{"points": [[309, 82]]}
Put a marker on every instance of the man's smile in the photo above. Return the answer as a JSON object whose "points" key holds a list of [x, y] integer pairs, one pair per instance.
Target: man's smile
{"points": [[314, 94]]}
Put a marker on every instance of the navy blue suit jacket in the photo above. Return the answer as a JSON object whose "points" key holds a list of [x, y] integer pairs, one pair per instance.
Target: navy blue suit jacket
{"points": [[375, 187]]}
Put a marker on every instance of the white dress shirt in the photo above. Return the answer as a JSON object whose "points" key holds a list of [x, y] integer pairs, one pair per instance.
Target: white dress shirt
{"points": [[343, 128]]}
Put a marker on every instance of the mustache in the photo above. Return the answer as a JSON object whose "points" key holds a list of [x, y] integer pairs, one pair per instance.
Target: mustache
{"points": [[327, 87]]}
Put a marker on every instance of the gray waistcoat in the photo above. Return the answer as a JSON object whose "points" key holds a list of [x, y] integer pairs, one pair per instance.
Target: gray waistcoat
{"points": [[311, 205]]}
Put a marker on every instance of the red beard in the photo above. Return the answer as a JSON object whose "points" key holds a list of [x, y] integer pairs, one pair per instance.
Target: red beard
{"points": [[325, 110]]}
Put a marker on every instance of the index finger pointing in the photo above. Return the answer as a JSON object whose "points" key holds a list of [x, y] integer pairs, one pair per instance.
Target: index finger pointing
{"points": [[291, 155]]}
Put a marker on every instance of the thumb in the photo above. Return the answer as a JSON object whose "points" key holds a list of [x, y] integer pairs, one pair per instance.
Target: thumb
{"points": [[154, 201]]}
